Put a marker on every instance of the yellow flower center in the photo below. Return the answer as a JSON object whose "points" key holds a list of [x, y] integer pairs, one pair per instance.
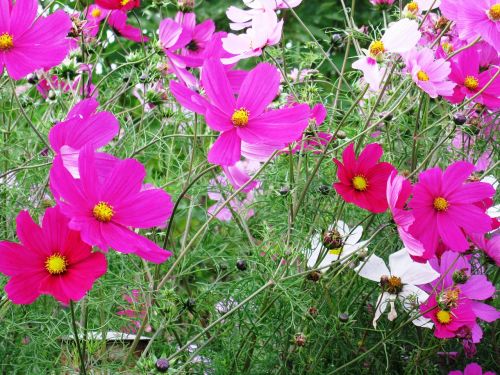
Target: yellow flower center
{"points": [[376, 48], [494, 12], [360, 183], [447, 47], [422, 76], [391, 284], [471, 83], [336, 251], [96, 12], [56, 264], [240, 118], [443, 316], [103, 212], [441, 204], [124, 2], [412, 7], [6, 42]]}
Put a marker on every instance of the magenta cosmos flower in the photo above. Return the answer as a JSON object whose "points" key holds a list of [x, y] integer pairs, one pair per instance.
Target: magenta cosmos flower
{"points": [[363, 180], [471, 369], [447, 208], [124, 5], [104, 206], [27, 44], [475, 18], [51, 259], [459, 282], [245, 118], [470, 77], [429, 74]]}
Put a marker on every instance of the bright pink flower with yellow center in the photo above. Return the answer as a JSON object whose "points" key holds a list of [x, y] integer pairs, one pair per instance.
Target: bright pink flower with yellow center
{"points": [[246, 117], [27, 44], [104, 205], [363, 180], [447, 208], [124, 5], [51, 259], [478, 18]]}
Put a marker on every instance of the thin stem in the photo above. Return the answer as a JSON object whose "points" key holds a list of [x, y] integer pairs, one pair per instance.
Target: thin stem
{"points": [[77, 339]]}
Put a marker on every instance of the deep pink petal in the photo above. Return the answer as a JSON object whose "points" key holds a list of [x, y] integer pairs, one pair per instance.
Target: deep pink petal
{"points": [[455, 175], [450, 233], [16, 259], [31, 235], [478, 287], [259, 89], [217, 87], [24, 288], [226, 150], [124, 181], [22, 16], [485, 312]]}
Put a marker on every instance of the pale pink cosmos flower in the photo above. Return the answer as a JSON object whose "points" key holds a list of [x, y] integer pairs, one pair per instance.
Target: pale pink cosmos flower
{"points": [[478, 18], [429, 74], [265, 31], [28, 43], [471, 369], [400, 37], [240, 206], [242, 18]]}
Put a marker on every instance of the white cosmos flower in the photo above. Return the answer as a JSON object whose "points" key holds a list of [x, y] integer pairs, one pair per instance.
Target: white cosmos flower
{"points": [[400, 279], [348, 239]]}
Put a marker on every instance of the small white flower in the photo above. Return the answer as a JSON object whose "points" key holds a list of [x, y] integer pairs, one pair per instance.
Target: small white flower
{"points": [[399, 282], [348, 244]]}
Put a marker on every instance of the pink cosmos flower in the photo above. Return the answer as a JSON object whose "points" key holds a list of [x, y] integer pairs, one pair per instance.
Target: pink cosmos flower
{"points": [[246, 118], [459, 283], [94, 15], [59, 85], [104, 205], [51, 259], [478, 18], [240, 206], [471, 369], [363, 180], [313, 141], [265, 31], [447, 208], [240, 173], [429, 74], [399, 38], [242, 19], [123, 5], [470, 78], [490, 246], [136, 312], [398, 192], [27, 44], [118, 21], [83, 126], [382, 3]]}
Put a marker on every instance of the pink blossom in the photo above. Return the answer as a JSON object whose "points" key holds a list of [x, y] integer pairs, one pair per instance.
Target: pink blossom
{"points": [[478, 18], [104, 205], [136, 312], [382, 3], [470, 79], [429, 74], [471, 369], [265, 31], [51, 259], [246, 118], [447, 208], [118, 21], [363, 180], [122, 5], [242, 18], [237, 205], [398, 192], [28, 43]]}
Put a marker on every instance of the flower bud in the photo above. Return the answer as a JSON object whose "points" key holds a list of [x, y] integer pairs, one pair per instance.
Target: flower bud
{"points": [[284, 191], [241, 265], [300, 339], [324, 189], [341, 134], [344, 317], [460, 276], [162, 365], [314, 276], [332, 240], [459, 119]]}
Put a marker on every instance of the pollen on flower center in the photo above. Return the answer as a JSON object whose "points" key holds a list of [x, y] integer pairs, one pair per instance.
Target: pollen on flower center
{"points": [[6, 42], [240, 118], [441, 204], [124, 2], [376, 48], [443, 316], [96, 12], [103, 212], [447, 47], [422, 76], [412, 7], [494, 12], [471, 83], [391, 284], [360, 183], [56, 264]]}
